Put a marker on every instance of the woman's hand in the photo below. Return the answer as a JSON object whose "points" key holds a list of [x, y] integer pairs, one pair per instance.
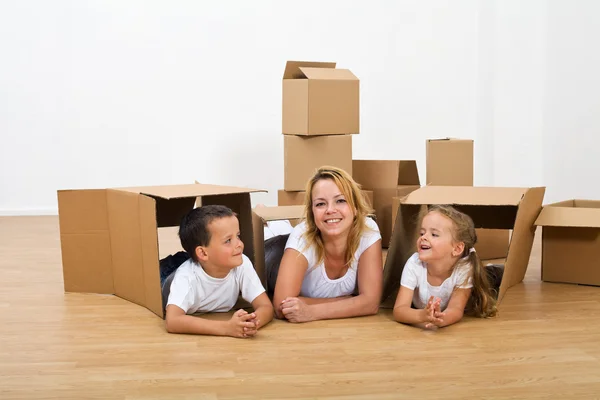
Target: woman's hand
{"points": [[296, 310]]}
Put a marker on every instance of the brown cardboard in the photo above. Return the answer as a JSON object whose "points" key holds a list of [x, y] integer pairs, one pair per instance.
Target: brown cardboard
{"points": [[489, 207], [285, 198], [319, 99], [109, 238], [386, 179], [571, 242], [304, 154], [260, 216], [450, 163]]}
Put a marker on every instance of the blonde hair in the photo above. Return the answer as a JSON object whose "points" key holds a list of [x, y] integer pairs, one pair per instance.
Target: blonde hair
{"points": [[353, 195], [482, 303]]}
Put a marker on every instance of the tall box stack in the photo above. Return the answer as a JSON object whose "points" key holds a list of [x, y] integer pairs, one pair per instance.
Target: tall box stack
{"points": [[320, 112], [450, 163]]}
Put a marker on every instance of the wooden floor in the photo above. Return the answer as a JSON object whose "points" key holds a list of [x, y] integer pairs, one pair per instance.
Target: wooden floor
{"points": [[544, 344]]}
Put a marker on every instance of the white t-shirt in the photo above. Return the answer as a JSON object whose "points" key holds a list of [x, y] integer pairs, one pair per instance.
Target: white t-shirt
{"points": [[193, 290], [316, 283], [414, 277]]}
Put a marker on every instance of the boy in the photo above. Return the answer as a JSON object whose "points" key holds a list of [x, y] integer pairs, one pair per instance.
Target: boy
{"points": [[211, 280]]}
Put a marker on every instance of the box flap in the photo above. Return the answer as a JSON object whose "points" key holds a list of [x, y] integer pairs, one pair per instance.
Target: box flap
{"points": [[450, 138], [188, 190], [385, 174], [408, 175], [466, 195], [569, 216], [292, 68], [328, 74], [279, 213]]}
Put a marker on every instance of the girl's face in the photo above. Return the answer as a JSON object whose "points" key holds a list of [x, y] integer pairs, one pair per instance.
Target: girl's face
{"points": [[436, 240], [333, 215]]}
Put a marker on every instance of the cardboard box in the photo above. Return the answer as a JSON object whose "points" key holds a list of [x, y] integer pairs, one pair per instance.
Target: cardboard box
{"points": [[489, 207], [304, 154], [319, 99], [260, 216], [450, 163], [285, 198], [109, 238], [386, 179], [571, 242]]}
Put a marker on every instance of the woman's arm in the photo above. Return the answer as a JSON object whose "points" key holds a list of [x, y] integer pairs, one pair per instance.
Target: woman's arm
{"points": [[370, 283], [370, 286], [292, 268]]}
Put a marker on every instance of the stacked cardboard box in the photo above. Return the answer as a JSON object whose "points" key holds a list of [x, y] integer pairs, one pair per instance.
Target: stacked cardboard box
{"points": [[320, 112], [450, 163]]}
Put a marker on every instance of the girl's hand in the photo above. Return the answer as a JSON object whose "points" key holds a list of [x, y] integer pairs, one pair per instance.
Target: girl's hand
{"points": [[434, 317], [296, 310]]}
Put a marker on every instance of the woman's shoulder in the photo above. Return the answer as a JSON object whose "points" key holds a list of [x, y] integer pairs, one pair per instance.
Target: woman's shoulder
{"points": [[371, 224]]}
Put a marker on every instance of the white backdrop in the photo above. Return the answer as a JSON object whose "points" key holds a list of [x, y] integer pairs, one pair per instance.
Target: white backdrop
{"points": [[120, 93]]}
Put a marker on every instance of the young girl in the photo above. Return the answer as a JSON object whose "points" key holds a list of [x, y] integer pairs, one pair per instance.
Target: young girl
{"points": [[445, 275]]}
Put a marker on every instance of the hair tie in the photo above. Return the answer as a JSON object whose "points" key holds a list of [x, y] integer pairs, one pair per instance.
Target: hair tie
{"points": [[472, 250]]}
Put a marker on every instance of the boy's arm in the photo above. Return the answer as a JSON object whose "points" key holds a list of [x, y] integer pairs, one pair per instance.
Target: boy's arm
{"points": [[177, 321], [263, 310]]}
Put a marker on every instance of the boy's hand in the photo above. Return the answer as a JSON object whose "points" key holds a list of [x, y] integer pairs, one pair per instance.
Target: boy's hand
{"points": [[433, 317], [242, 324]]}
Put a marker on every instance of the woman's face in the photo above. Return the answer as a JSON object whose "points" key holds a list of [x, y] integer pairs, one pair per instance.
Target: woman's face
{"points": [[333, 215]]}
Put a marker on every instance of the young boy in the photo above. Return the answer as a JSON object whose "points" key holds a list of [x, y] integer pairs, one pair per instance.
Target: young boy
{"points": [[211, 280]]}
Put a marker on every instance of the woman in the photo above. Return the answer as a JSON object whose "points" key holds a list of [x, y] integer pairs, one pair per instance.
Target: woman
{"points": [[335, 249]]}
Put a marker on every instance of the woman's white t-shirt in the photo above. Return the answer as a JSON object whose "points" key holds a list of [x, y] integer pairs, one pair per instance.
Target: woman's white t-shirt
{"points": [[193, 290], [316, 283], [414, 277]]}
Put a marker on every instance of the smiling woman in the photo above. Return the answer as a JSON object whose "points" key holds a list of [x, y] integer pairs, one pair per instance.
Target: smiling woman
{"points": [[336, 250]]}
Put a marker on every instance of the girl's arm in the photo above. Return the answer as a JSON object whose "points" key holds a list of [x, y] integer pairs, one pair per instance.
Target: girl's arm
{"points": [[403, 312], [456, 307]]}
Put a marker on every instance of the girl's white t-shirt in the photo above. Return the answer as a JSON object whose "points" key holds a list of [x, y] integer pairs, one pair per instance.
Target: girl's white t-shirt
{"points": [[414, 277], [316, 283], [194, 291]]}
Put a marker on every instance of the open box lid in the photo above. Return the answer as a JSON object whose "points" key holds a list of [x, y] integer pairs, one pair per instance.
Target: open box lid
{"points": [[466, 195], [279, 213], [292, 68], [328, 74], [168, 192], [571, 213]]}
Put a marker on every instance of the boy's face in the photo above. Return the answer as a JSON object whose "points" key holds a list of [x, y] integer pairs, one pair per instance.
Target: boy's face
{"points": [[435, 240], [225, 247]]}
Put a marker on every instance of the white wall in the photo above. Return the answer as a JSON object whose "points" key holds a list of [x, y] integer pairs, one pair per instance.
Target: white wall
{"points": [[572, 101], [122, 93]]}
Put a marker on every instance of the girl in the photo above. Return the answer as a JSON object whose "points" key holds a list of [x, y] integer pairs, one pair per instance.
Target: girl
{"points": [[445, 275]]}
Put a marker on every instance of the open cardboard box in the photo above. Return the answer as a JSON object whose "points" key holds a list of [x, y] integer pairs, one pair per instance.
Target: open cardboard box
{"points": [[319, 99], [489, 207], [571, 242], [109, 238]]}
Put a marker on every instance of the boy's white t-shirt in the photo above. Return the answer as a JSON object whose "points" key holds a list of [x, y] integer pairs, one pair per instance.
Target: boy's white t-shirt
{"points": [[193, 290], [316, 283], [414, 277]]}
